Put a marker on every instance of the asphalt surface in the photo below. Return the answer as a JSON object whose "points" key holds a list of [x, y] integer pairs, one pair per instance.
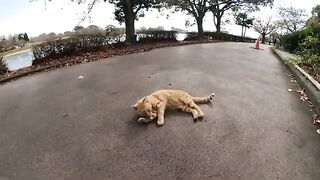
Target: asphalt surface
{"points": [[55, 126]]}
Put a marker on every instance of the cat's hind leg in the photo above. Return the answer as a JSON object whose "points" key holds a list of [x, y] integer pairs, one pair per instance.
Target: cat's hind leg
{"points": [[193, 111], [197, 108]]}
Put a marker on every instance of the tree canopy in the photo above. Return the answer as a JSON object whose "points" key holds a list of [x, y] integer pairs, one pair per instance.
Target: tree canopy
{"points": [[26, 37], [138, 7], [292, 19], [219, 7], [245, 22], [316, 11], [78, 28]]}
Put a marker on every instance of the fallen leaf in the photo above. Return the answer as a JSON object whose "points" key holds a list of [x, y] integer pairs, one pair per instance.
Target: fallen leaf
{"points": [[315, 116], [300, 91], [289, 131], [290, 90]]}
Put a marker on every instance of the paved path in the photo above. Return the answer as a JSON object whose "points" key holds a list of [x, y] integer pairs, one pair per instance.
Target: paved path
{"points": [[55, 126]]}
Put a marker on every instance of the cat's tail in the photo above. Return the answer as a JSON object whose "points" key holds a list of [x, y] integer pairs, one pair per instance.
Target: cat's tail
{"points": [[202, 100]]}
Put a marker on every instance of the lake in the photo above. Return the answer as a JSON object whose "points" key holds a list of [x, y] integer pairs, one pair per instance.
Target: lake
{"points": [[19, 60]]}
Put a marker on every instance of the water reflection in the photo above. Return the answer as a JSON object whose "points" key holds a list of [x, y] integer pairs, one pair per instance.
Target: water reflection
{"points": [[19, 60], [181, 36]]}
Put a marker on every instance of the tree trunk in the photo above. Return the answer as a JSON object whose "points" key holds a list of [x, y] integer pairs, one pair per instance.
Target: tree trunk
{"points": [[242, 31], [263, 38], [129, 21], [245, 31], [200, 27], [218, 23]]}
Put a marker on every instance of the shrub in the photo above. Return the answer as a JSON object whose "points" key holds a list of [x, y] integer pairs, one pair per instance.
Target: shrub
{"points": [[312, 39], [291, 42], [63, 47], [157, 36], [217, 36], [191, 36], [309, 62], [306, 44], [3, 67]]}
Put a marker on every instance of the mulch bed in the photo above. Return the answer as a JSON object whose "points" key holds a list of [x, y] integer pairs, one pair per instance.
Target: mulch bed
{"points": [[85, 57]]}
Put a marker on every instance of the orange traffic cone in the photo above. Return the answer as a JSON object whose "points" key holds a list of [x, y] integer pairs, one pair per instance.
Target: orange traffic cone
{"points": [[257, 44]]}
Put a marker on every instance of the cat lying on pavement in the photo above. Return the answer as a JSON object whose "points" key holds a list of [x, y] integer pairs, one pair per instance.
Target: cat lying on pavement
{"points": [[154, 105]]}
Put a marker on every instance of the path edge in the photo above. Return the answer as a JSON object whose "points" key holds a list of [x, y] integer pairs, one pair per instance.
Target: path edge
{"points": [[310, 88]]}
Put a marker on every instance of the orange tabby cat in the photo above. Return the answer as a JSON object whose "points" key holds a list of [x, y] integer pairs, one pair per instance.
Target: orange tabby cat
{"points": [[154, 105]]}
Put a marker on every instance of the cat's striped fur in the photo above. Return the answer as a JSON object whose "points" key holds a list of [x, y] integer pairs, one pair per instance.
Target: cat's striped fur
{"points": [[155, 104]]}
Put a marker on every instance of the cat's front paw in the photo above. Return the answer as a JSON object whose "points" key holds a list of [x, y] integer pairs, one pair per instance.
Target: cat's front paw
{"points": [[201, 115], [160, 123]]}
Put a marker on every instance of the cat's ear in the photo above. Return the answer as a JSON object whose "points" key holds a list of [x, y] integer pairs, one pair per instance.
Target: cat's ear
{"points": [[144, 99], [135, 106]]}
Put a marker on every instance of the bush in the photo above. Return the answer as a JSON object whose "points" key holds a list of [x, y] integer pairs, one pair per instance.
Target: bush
{"points": [[306, 44], [312, 40], [90, 43], [63, 47], [292, 42], [191, 36], [157, 36], [3, 67], [309, 62]]}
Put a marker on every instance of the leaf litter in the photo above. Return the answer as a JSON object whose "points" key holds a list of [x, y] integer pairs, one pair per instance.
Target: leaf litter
{"points": [[304, 98]]}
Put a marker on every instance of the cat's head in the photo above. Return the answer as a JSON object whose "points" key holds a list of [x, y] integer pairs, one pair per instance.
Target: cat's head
{"points": [[144, 108]]}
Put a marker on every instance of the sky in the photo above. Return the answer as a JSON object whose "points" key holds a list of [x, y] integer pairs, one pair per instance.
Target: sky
{"points": [[34, 18]]}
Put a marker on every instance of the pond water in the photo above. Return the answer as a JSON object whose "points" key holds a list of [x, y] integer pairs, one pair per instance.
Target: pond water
{"points": [[181, 36], [19, 60]]}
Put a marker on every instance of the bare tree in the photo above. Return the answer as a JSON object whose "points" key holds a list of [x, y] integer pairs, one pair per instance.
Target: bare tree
{"points": [[219, 8], [196, 8], [292, 19], [264, 28]]}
